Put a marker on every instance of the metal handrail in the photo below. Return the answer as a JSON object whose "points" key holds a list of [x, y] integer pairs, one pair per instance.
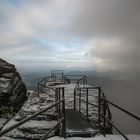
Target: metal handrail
{"points": [[45, 136], [28, 118], [62, 120], [54, 72], [88, 103], [77, 87], [115, 127], [103, 99], [57, 90], [122, 109], [46, 79]]}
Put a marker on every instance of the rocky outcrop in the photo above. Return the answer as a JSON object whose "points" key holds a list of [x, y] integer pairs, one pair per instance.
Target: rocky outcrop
{"points": [[12, 89]]}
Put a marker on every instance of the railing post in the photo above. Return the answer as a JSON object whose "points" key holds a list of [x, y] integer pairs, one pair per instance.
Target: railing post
{"points": [[80, 100], [64, 114], [55, 79], [56, 99], [62, 77], [99, 110], [87, 103], [86, 80], [74, 104], [104, 114], [83, 81], [59, 104]]}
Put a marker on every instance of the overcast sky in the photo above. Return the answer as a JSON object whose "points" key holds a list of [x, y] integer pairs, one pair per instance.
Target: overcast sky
{"points": [[71, 34]]}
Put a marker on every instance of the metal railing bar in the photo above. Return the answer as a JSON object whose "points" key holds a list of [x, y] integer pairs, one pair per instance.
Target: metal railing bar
{"points": [[88, 103], [28, 118], [89, 87], [75, 75], [45, 79], [122, 109], [56, 71], [47, 86], [80, 101], [64, 114], [91, 121], [115, 127], [45, 136], [99, 110], [104, 120]]}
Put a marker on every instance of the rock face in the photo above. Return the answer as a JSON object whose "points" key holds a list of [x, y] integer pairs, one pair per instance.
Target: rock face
{"points": [[12, 89], [37, 126]]}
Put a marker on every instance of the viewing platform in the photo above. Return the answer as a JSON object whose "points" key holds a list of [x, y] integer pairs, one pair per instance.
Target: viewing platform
{"points": [[65, 107]]}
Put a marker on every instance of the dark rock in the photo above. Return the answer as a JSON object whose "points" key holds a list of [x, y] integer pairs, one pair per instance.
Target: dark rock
{"points": [[12, 89]]}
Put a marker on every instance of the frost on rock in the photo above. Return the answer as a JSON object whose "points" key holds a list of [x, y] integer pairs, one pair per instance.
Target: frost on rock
{"points": [[37, 126]]}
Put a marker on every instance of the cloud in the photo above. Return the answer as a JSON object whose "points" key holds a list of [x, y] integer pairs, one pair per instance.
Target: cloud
{"points": [[101, 34], [111, 29]]}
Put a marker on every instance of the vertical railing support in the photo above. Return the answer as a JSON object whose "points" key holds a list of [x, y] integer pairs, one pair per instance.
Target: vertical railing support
{"points": [[64, 114], [62, 77], [99, 110], [80, 100], [74, 103], [83, 81], [86, 80], [59, 110], [55, 79], [87, 103], [104, 114], [56, 99]]}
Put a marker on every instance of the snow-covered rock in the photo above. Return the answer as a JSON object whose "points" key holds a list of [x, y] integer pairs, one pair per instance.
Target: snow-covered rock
{"points": [[37, 126], [12, 89]]}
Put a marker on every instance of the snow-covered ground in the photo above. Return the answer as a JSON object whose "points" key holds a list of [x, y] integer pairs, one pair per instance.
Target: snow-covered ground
{"points": [[108, 137]]}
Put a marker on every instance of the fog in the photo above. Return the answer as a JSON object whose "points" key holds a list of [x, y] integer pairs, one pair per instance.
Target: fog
{"points": [[125, 93]]}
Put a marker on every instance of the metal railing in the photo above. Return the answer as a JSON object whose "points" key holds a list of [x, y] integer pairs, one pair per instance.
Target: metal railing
{"points": [[43, 85], [57, 75], [61, 118], [59, 94], [87, 103], [73, 78], [102, 106], [104, 101], [81, 82]]}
